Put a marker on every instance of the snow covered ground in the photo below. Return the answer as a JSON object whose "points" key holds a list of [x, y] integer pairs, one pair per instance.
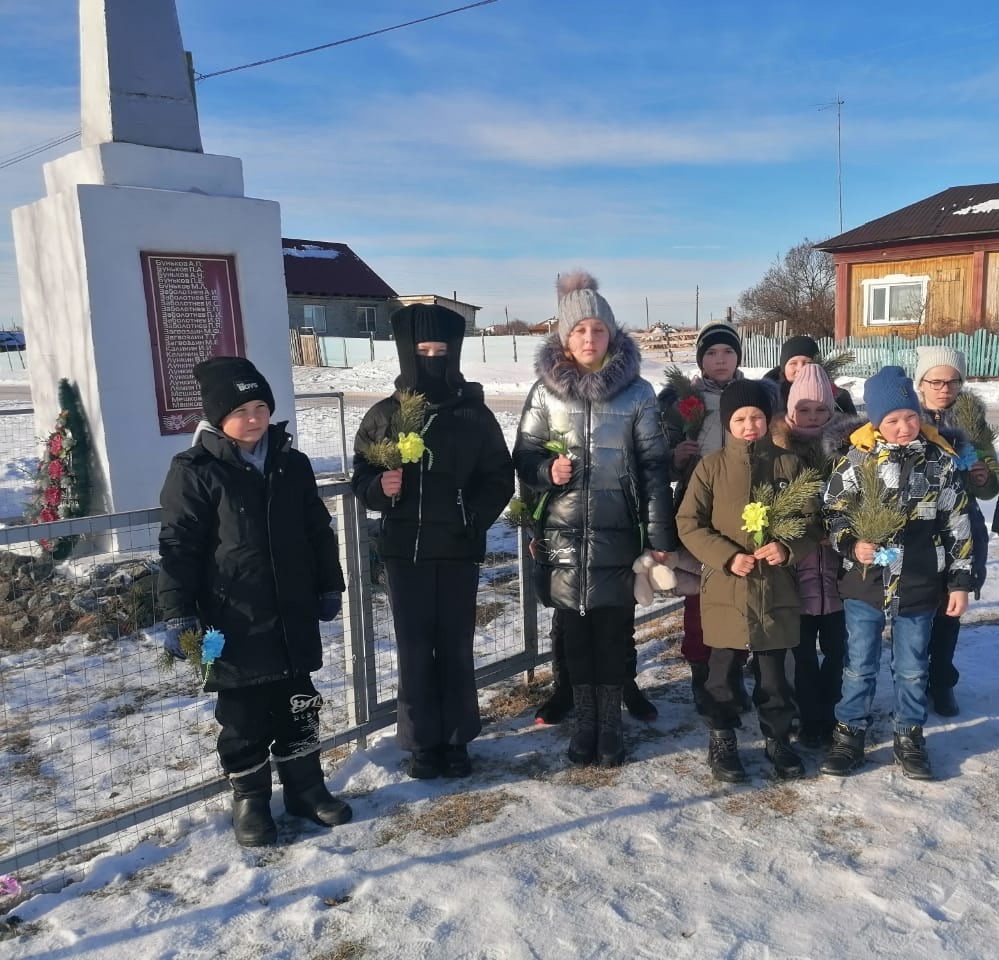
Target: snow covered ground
{"points": [[530, 858]]}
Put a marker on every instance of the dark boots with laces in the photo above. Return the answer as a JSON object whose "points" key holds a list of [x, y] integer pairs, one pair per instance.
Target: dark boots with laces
{"points": [[787, 764], [846, 753], [910, 752], [599, 733], [723, 757]]}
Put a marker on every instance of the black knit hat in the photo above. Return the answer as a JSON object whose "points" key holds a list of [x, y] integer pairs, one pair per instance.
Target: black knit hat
{"points": [[227, 383], [715, 333], [420, 323], [798, 347], [745, 393]]}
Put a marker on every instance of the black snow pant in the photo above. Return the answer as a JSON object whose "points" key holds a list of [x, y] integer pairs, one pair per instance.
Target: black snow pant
{"points": [[279, 718], [560, 666], [433, 609], [943, 675], [818, 687], [771, 692], [599, 645]]}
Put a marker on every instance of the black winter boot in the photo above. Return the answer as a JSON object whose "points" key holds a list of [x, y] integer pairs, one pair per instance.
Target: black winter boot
{"points": [[846, 752], [305, 793], [555, 708], [424, 764], [787, 764], [698, 678], [583, 745], [910, 752], [610, 736], [251, 808], [723, 757], [637, 704], [455, 761]]}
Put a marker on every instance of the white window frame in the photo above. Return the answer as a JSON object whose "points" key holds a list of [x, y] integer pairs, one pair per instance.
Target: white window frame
{"points": [[363, 315], [886, 283], [317, 320]]}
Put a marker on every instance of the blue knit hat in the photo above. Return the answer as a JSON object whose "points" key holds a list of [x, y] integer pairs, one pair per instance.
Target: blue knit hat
{"points": [[889, 389]]}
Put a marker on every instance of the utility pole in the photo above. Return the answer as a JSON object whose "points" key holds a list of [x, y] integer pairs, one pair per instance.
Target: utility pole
{"points": [[647, 313], [838, 104], [697, 307]]}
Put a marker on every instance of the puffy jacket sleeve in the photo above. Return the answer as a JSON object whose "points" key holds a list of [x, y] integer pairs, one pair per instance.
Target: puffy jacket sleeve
{"points": [[652, 456], [187, 523], [365, 480], [321, 536], [955, 530], [693, 521], [841, 483], [530, 458], [491, 484]]}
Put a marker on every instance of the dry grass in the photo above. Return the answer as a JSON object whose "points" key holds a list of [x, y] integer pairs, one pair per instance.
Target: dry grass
{"points": [[16, 741], [448, 816], [513, 702], [590, 777], [344, 950], [487, 611], [668, 626], [780, 799]]}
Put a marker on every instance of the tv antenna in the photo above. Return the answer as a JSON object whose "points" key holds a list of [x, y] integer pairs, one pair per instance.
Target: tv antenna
{"points": [[838, 104]]}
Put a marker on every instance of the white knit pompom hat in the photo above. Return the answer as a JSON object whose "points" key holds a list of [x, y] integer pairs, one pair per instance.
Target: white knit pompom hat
{"points": [[938, 356], [578, 300]]}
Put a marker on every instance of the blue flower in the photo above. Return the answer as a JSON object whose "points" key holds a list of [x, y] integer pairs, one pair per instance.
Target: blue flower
{"points": [[886, 556], [211, 645], [966, 457]]}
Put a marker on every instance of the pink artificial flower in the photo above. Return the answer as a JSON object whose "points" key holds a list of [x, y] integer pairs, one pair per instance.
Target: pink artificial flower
{"points": [[55, 469], [55, 445], [53, 496], [9, 887]]}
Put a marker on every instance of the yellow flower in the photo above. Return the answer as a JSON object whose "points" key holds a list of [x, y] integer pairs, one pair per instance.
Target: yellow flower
{"points": [[411, 447], [754, 519]]}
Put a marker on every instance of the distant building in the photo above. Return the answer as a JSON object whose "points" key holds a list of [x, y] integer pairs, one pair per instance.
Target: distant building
{"points": [[931, 268], [467, 310], [334, 292]]}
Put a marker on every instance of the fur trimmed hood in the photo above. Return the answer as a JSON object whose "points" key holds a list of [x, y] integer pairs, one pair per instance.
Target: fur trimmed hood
{"points": [[815, 451], [565, 379]]}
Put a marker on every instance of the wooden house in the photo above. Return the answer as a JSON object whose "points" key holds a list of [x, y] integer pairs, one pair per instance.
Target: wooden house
{"points": [[931, 268]]}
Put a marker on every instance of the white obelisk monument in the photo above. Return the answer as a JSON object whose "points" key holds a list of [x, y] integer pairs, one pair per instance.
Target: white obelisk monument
{"points": [[143, 257]]}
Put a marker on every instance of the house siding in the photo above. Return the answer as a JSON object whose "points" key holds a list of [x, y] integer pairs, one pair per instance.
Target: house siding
{"points": [[341, 315]]}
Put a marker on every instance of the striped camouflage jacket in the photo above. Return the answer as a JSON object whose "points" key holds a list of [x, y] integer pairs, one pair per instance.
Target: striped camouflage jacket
{"points": [[934, 548]]}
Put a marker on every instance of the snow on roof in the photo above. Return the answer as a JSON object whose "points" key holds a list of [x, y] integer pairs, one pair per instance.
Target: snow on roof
{"points": [[989, 206], [310, 250]]}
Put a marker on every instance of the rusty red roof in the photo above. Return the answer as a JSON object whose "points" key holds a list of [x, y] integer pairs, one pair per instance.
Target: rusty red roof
{"points": [[955, 212], [321, 269]]}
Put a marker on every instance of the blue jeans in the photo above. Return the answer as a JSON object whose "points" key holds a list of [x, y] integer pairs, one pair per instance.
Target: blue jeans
{"points": [[909, 665]]}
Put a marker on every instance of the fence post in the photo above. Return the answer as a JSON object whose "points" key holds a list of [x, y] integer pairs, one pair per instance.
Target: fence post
{"points": [[371, 346], [483, 338], [514, 348], [358, 629]]}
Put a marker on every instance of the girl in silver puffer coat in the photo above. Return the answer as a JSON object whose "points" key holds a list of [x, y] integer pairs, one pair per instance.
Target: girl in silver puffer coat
{"points": [[590, 444]]}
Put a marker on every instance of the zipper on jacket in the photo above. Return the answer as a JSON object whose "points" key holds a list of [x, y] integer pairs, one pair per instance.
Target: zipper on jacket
{"points": [[419, 515], [270, 550], [586, 511], [461, 503]]}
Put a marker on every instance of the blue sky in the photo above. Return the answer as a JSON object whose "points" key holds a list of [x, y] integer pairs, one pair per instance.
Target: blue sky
{"points": [[663, 146]]}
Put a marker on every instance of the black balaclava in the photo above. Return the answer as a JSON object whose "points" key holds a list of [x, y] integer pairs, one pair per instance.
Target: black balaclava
{"points": [[436, 378]]}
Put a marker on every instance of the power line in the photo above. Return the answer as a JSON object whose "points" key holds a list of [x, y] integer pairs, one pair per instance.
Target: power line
{"points": [[338, 43], [28, 152]]}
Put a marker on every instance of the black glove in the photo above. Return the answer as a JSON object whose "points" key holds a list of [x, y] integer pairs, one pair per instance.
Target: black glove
{"points": [[175, 626], [330, 605]]}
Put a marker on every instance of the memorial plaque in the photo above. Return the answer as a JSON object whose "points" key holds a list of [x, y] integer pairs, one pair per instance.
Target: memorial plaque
{"points": [[192, 305]]}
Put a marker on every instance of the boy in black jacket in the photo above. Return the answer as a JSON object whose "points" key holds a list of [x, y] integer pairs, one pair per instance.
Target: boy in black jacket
{"points": [[247, 548], [435, 514]]}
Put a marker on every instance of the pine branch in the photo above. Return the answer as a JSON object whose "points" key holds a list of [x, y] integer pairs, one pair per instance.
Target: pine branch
{"points": [[970, 416], [836, 363], [871, 512], [680, 382]]}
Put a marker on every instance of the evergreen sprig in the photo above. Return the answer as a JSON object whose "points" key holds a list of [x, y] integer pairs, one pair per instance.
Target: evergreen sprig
{"points": [[970, 417], [789, 508], [680, 382], [872, 513], [836, 363], [408, 418]]}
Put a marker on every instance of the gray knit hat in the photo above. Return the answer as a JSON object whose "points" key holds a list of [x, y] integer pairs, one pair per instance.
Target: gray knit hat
{"points": [[578, 300], [939, 356]]}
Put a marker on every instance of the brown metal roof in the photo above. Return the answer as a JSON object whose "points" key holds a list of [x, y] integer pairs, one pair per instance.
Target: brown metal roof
{"points": [[320, 269], [955, 212]]}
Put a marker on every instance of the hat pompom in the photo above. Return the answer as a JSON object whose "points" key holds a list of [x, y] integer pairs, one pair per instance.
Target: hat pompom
{"points": [[577, 280]]}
